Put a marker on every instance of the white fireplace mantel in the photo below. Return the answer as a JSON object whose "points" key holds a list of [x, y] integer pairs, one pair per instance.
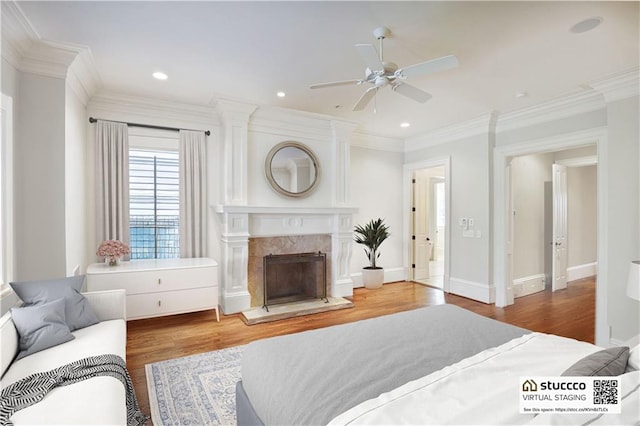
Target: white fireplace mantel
{"points": [[238, 223], [284, 210]]}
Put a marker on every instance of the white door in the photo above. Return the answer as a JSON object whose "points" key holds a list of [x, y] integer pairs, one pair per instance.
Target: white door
{"points": [[559, 242], [421, 238]]}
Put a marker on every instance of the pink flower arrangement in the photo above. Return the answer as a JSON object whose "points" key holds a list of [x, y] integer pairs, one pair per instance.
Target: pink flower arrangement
{"points": [[113, 249]]}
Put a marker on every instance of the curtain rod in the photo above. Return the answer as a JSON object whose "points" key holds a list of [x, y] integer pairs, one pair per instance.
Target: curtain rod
{"points": [[148, 126]]}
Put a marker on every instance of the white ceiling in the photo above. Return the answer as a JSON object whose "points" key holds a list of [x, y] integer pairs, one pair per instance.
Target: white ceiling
{"points": [[251, 50]]}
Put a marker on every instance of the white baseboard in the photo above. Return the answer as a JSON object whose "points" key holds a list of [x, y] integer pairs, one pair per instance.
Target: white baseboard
{"points": [[528, 285], [233, 303], [477, 291], [342, 288], [582, 271], [391, 275]]}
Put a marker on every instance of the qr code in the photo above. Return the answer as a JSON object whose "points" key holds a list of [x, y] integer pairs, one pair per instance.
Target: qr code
{"points": [[605, 391]]}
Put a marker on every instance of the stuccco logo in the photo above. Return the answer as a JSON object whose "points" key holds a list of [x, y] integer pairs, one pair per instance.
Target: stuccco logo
{"points": [[565, 386], [530, 385]]}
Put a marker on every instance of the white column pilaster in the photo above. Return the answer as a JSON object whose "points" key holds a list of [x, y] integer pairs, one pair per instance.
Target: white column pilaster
{"points": [[341, 244], [235, 258], [235, 124], [341, 141]]}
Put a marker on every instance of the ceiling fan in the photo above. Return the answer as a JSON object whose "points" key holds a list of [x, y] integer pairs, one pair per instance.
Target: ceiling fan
{"points": [[380, 73]]}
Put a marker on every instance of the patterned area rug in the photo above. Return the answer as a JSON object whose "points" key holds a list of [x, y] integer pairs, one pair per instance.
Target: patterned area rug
{"points": [[195, 390]]}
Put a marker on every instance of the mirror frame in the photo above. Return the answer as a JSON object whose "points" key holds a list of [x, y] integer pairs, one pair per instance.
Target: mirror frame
{"points": [[269, 173]]}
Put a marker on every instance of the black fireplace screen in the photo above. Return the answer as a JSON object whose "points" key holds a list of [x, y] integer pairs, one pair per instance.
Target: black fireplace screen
{"points": [[294, 277]]}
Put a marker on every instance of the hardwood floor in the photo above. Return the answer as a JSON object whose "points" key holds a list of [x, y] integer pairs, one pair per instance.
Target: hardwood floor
{"points": [[569, 313]]}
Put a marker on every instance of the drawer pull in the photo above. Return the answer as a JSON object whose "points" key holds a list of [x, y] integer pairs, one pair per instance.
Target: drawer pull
{"points": [[159, 281], [159, 303]]}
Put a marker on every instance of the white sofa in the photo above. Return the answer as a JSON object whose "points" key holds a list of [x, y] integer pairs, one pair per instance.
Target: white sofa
{"points": [[99, 400]]}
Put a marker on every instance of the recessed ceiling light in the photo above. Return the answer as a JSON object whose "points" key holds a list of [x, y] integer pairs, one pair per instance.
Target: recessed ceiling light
{"points": [[281, 94], [405, 124], [586, 25], [160, 75]]}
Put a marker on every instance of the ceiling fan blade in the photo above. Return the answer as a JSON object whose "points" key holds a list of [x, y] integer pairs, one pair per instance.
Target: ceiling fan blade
{"points": [[370, 56], [335, 83], [365, 99], [428, 67], [411, 92]]}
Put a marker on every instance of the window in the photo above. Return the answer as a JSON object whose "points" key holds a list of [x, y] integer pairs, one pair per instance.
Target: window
{"points": [[154, 204]]}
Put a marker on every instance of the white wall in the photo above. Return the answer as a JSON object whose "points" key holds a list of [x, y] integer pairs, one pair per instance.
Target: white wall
{"points": [[623, 215], [40, 178], [76, 190], [618, 205], [528, 176], [376, 189], [582, 208], [9, 80], [470, 268]]}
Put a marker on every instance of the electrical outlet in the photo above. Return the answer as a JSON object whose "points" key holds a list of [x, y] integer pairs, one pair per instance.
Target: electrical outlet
{"points": [[463, 222], [471, 222], [468, 234]]}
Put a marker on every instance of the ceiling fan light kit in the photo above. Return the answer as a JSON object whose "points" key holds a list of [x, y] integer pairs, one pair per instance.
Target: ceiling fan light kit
{"points": [[379, 73]]}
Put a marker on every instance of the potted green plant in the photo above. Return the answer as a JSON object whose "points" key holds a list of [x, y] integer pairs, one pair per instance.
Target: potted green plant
{"points": [[371, 235]]}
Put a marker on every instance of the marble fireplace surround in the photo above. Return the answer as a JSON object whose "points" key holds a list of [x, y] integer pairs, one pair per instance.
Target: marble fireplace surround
{"points": [[243, 226], [259, 247]]}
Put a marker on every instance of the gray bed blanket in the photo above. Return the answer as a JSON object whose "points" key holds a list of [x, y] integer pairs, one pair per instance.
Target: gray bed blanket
{"points": [[309, 378]]}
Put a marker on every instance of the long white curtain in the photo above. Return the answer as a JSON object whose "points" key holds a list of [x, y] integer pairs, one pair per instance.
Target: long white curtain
{"points": [[193, 195], [112, 181]]}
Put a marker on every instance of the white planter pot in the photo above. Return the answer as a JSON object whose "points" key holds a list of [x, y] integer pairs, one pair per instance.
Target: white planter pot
{"points": [[372, 278]]}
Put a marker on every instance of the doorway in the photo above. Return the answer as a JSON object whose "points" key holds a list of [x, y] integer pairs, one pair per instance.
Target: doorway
{"points": [[552, 205], [429, 226]]}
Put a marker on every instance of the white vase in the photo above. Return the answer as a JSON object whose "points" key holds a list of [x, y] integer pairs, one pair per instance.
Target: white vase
{"points": [[112, 261], [372, 278]]}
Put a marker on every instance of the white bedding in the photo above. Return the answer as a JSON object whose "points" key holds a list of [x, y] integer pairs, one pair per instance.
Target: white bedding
{"points": [[481, 389]]}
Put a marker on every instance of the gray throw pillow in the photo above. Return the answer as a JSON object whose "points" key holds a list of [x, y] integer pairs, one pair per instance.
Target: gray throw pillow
{"points": [[78, 312], [607, 362], [40, 327]]}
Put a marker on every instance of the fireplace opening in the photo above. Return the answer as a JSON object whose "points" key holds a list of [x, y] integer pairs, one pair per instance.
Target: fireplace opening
{"points": [[294, 277]]}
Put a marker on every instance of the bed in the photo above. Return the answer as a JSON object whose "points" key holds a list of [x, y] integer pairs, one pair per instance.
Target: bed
{"points": [[435, 365]]}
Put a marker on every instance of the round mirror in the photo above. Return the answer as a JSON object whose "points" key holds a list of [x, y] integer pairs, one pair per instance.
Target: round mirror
{"points": [[292, 169]]}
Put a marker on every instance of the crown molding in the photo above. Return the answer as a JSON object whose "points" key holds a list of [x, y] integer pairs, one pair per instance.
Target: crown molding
{"points": [[342, 130], [23, 47], [17, 33], [291, 123], [115, 106], [619, 86], [49, 58], [234, 110], [574, 104], [83, 77], [482, 125], [380, 143]]}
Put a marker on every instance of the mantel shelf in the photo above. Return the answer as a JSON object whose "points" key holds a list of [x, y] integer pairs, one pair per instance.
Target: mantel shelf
{"points": [[220, 208]]}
